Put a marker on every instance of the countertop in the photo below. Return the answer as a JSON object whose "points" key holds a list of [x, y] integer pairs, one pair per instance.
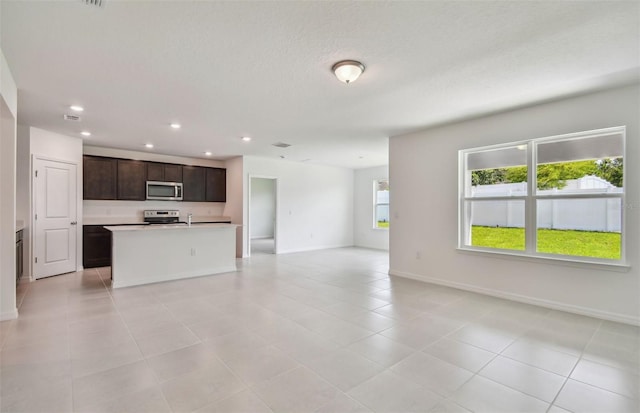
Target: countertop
{"points": [[138, 221], [169, 227]]}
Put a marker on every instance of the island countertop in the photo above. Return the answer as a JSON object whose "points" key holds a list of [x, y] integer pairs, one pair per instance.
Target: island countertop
{"points": [[113, 220], [166, 227]]}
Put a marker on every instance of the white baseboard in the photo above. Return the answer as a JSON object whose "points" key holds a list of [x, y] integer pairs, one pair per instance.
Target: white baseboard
{"points": [[554, 305], [9, 315]]}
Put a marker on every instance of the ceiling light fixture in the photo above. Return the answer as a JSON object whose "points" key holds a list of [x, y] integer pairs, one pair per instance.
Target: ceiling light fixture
{"points": [[85, 133], [176, 125], [148, 145], [208, 153], [76, 108], [246, 138], [348, 71]]}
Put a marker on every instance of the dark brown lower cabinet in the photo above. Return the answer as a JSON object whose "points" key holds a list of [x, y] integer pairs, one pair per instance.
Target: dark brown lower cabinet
{"points": [[96, 246]]}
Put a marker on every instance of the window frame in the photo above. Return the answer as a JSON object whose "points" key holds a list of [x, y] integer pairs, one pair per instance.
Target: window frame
{"points": [[375, 205], [532, 197]]}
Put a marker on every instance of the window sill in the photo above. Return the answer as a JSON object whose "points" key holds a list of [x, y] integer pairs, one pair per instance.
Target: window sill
{"points": [[380, 229], [613, 266]]}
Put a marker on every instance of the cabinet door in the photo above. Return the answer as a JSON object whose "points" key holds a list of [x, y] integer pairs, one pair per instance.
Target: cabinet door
{"points": [[193, 180], [132, 178], [216, 185], [96, 246], [155, 171], [99, 177], [172, 173], [164, 172]]}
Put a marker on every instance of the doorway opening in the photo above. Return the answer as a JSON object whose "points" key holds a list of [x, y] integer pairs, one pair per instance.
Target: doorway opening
{"points": [[262, 215]]}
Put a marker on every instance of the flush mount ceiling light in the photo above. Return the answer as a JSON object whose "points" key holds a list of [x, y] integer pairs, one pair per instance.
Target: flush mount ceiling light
{"points": [[348, 71], [85, 133], [76, 108], [176, 125]]}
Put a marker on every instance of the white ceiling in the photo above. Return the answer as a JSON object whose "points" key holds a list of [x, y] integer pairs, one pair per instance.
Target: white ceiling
{"points": [[228, 69]]}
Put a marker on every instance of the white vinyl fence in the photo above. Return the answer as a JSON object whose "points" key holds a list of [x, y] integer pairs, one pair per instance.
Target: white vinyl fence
{"points": [[596, 214], [382, 206]]}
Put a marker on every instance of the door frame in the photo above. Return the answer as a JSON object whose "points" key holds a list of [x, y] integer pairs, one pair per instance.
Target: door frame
{"points": [[276, 192], [32, 209]]}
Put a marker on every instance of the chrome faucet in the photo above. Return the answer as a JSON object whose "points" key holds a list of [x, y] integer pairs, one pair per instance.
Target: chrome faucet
{"points": [[189, 219]]}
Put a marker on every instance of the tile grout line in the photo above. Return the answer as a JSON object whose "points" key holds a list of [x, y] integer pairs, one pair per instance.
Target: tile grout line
{"points": [[574, 367], [158, 383]]}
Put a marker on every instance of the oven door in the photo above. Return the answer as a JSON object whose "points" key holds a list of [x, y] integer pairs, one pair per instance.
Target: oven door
{"points": [[166, 191]]}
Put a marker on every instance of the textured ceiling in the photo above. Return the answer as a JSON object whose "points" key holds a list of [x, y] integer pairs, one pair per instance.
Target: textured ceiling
{"points": [[262, 69]]}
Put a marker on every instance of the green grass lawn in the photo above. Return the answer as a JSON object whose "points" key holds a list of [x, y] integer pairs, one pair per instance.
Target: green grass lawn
{"points": [[551, 241], [383, 224]]}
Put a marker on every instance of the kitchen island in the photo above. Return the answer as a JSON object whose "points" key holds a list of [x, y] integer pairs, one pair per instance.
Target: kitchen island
{"points": [[143, 254]]}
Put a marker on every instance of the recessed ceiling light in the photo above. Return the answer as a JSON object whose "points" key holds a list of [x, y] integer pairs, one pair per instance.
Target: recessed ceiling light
{"points": [[176, 125], [148, 145], [208, 153], [85, 133], [246, 138], [76, 108]]}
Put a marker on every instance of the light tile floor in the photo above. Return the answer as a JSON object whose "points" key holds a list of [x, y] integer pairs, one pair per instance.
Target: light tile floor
{"points": [[326, 331]]}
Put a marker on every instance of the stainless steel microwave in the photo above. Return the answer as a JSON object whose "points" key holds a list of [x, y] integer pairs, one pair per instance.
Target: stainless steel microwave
{"points": [[165, 191]]}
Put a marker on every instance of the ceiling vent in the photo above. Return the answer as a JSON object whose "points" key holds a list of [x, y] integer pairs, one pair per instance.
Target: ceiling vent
{"points": [[97, 3], [74, 118], [281, 145]]}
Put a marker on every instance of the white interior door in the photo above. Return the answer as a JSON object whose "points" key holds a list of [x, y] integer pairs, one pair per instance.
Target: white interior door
{"points": [[55, 220]]}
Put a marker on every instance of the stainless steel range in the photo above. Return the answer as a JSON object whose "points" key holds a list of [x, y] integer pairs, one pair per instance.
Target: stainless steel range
{"points": [[162, 216]]}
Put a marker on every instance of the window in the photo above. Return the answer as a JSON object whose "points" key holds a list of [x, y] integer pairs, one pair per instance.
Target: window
{"points": [[559, 197], [381, 203]]}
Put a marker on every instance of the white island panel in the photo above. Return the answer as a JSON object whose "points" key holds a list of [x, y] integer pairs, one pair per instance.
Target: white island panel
{"points": [[152, 253]]}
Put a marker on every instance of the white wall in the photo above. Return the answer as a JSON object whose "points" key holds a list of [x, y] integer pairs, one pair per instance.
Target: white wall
{"points": [[263, 208], [56, 147], [315, 204], [134, 209], [363, 203], [23, 194], [234, 208], [150, 156], [426, 162], [8, 116]]}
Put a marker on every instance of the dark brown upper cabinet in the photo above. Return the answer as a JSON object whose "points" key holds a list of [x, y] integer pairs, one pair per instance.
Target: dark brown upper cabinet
{"points": [[164, 172], [125, 179], [216, 188], [132, 180], [99, 177], [193, 181]]}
